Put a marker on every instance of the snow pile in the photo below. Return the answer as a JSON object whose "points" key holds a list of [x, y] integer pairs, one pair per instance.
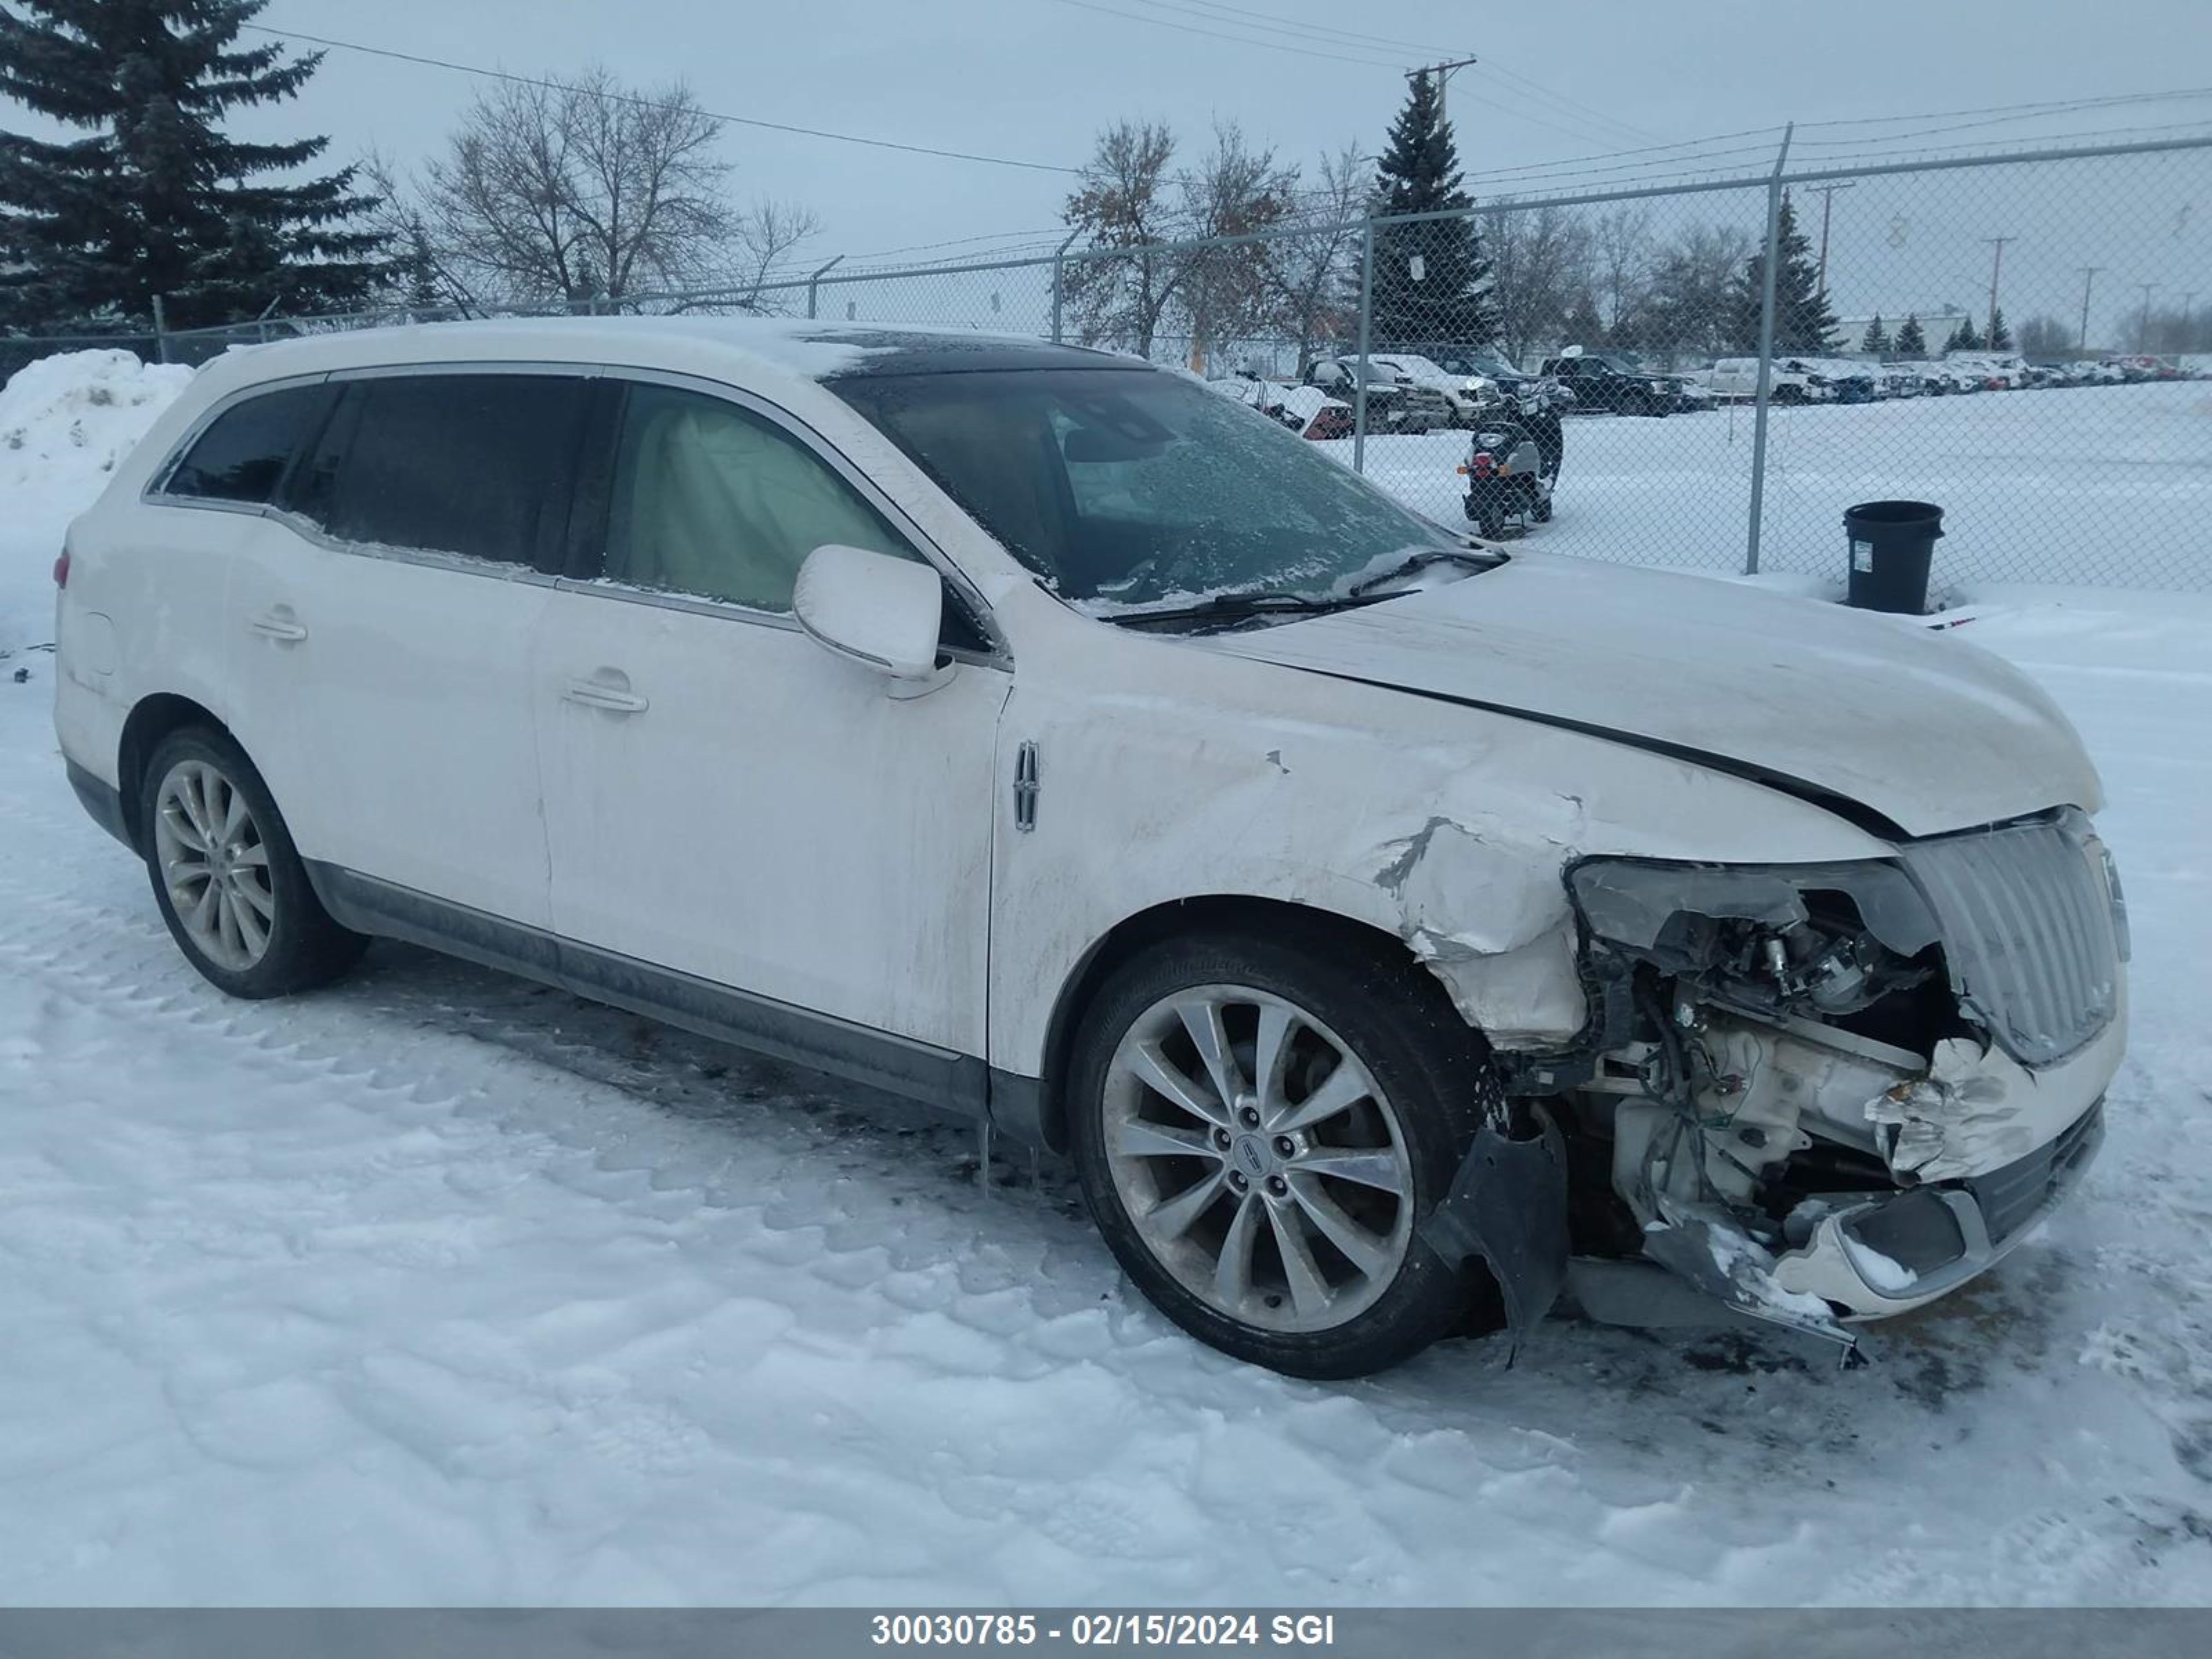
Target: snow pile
{"points": [[65, 420]]}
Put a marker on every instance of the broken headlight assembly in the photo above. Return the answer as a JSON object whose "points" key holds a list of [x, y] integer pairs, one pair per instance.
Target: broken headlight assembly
{"points": [[1836, 1090], [1817, 942]]}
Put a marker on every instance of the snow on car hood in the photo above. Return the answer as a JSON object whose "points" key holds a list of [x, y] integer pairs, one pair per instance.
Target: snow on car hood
{"points": [[1915, 725]]}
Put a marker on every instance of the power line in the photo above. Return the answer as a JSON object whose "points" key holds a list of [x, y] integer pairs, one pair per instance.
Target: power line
{"points": [[1527, 88], [1348, 36], [1236, 39], [1875, 157], [1301, 51], [655, 103], [2057, 107]]}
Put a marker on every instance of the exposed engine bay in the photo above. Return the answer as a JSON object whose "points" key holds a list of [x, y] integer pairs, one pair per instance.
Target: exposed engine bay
{"points": [[1824, 1094]]}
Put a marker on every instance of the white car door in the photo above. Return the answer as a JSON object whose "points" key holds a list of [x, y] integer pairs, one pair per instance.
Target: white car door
{"points": [[384, 611], [746, 830]]}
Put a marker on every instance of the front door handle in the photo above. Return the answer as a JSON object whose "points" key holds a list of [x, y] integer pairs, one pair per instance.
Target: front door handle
{"points": [[278, 622], [616, 699]]}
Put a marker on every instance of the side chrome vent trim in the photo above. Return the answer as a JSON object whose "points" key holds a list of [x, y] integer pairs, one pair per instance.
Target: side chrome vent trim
{"points": [[1025, 787]]}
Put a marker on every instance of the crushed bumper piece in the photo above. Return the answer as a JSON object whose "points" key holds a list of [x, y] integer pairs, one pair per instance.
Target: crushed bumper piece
{"points": [[1507, 1208]]}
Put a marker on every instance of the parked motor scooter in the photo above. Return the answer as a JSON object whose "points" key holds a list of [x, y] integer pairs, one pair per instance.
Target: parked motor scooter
{"points": [[1513, 463]]}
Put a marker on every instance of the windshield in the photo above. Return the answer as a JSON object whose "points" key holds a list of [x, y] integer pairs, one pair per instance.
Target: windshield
{"points": [[1125, 489]]}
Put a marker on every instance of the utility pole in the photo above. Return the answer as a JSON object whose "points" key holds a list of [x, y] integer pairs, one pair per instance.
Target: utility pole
{"points": [[1444, 74], [2143, 328], [1996, 264], [1826, 193], [2188, 300], [2088, 276]]}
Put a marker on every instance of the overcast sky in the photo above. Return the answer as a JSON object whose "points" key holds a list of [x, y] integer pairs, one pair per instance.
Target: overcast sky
{"points": [[1034, 80]]}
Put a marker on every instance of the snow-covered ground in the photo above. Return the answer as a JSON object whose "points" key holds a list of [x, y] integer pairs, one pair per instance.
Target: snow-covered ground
{"points": [[440, 1287], [2106, 485]]}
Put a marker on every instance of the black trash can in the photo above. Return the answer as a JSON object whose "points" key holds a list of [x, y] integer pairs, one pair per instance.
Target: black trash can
{"points": [[1892, 545]]}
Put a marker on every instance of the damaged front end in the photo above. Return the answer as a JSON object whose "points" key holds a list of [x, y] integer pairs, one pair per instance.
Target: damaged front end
{"points": [[1823, 1094]]}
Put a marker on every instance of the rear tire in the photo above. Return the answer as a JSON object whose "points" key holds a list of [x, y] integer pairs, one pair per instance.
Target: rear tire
{"points": [[226, 876], [1215, 1177]]}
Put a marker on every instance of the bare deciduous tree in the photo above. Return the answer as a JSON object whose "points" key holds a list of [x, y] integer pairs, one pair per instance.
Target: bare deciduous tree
{"points": [[1123, 203], [1621, 259], [1236, 190], [581, 191], [1538, 264], [1687, 310], [1314, 270]]}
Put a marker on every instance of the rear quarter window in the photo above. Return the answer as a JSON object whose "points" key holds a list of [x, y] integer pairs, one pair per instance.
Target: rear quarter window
{"points": [[244, 453]]}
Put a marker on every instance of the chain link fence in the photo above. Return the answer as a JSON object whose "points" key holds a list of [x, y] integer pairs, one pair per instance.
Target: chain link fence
{"points": [[1702, 375]]}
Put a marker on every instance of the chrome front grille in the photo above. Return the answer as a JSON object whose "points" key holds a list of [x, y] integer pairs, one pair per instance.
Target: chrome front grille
{"points": [[2028, 932]]}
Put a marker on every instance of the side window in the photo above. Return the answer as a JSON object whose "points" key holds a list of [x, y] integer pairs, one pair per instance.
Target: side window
{"points": [[474, 464], [711, 501], [245, 450]]}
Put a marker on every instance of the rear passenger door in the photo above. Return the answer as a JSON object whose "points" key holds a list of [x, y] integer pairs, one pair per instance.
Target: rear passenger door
{"points": [[383, 630]]}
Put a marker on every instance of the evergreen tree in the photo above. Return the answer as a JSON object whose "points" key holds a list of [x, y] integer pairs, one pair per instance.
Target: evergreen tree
{"points": [[2000, 336], [156, 200], [1802, 319], [1911, 343], [1876, 339], [1431, 280], [1965, 337]]}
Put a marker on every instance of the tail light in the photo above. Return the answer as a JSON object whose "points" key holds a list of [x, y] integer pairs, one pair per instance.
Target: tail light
{"points": [[60, 569], [1483, 463]]}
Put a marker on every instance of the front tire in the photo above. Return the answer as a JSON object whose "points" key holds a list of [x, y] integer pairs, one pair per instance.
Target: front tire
{"points": [[226, 876], [1259, 1124]]}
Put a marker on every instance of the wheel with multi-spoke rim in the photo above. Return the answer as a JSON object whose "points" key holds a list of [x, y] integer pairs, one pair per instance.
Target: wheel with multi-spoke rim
{"points": [[1259, 1127], [225, 873]]}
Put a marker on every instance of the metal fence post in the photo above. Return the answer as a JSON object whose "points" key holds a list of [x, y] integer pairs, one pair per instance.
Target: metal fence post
{"points": [[1766, 352], [1058, 275], [814, 282], [1366, 323], [161, 330]]}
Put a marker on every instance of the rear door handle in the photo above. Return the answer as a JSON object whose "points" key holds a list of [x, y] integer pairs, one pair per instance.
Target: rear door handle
{"points": [[599, 694], [279, 623]]}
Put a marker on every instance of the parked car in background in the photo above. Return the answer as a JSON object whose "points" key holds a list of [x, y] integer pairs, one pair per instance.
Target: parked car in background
{"points": [[1686, 389], [1483, 371], [1998, 371], [1395, 402], [1391, 930], [1461, 401], [1601, 385], [1737, 377], [1847, 381], [1305, 409], [1900, 381]]}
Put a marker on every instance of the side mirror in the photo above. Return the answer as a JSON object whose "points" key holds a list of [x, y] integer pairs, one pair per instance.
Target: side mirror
{"points": [[871, 608]]}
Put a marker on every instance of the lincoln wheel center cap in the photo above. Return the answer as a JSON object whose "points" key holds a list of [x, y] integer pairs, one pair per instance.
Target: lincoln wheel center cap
{"points": [[1253, 1155]]}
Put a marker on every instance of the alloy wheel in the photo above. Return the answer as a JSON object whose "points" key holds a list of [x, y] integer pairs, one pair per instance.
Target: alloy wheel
{"points": [[1257, 1158], [214, 864]]}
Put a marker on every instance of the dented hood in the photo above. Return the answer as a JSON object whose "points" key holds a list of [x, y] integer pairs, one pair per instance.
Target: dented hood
{"points": [[1913, 724]]}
